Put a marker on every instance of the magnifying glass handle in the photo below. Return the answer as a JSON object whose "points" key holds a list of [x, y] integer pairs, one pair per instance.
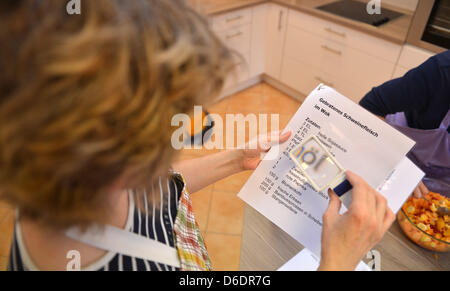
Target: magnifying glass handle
{"points": [[343, 188]]}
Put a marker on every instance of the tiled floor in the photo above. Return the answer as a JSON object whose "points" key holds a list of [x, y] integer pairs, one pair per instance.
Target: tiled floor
{"points": [[6, 231], [218, 210]]}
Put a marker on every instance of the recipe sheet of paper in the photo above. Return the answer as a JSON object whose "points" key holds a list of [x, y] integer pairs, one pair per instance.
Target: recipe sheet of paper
{"points": [[400, 183], [358, 140], [307, 261]]}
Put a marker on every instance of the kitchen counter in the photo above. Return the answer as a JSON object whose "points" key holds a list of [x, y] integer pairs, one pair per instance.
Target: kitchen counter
{"points": [[395, 31], [265, 247], [213, 7]]}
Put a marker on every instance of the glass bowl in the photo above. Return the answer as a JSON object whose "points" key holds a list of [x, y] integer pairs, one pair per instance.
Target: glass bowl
{"points": [[418, 236]]}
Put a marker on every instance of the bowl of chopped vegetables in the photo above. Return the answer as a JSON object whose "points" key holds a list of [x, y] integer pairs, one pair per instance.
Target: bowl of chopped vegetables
{"points": [[424, 223]]}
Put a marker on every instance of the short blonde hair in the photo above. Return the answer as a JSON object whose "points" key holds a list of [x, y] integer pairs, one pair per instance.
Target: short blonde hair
{"points": [[86, 100]]}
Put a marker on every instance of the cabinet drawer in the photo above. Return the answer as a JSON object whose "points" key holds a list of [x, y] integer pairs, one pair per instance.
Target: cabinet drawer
{"points": [[337, 59], [241, 72], [231, 19], [237, 38], [304, 78], [361, 41]]}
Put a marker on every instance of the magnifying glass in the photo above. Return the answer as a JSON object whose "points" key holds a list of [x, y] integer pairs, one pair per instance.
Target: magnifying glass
{"points": [[320, 167]]}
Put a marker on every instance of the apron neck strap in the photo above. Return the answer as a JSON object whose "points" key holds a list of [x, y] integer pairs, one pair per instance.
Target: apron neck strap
{"points": [[113, 239]]}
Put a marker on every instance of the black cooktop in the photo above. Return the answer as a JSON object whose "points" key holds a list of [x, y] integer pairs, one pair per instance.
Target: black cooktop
{"points": [[357, 10]]}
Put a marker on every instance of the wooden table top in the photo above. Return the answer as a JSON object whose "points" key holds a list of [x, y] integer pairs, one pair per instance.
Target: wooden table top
{"points": [[265, 247]]}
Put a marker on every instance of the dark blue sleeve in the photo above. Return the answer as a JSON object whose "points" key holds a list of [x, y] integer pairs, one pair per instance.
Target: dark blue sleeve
{"points": [[407, 93]]}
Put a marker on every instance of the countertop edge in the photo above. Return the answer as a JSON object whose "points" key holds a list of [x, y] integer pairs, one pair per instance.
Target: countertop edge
{"points": [[366, 28], [235, 6]]}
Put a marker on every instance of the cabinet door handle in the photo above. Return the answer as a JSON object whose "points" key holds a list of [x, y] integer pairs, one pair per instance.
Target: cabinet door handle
{"points": [[329, 84], [234, 35], [325, 47], [234, 18], [341, 34], [280, 20]]}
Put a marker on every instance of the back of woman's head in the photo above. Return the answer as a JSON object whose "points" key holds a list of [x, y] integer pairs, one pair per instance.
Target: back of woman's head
{"points": [[86, 100]]}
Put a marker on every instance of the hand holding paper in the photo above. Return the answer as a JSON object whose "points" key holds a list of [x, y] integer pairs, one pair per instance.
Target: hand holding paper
{"points": [[256, 149]]}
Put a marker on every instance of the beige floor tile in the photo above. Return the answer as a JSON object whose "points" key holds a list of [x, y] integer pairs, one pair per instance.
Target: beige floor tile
{"points": [[269, 90], [280, 104], [6, 231], [3, 263], [224, 250], [246, 103], [201, 202], [233, 183], [219, 107], [261, 98], [3, 204], [4, 212], [226, 214], [255, 89], [219, 115], [284, 120]]}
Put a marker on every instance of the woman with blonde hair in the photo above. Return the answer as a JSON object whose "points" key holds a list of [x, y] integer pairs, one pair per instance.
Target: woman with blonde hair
{"points": [[85, 155]]}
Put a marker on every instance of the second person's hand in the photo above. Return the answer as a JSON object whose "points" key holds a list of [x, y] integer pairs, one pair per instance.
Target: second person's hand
{"points": [[347, 238]]}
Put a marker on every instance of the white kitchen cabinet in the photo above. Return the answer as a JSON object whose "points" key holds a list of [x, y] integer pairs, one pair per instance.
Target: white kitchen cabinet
{"points": [[244, 31], [241, 72], [361, 41], [347, 60], [300, 51], [232, 19], [235, 30], [258, 40], [399, 72], [237, 38], [337, 59], [276, 33], [410, 58], [304, 77]]}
